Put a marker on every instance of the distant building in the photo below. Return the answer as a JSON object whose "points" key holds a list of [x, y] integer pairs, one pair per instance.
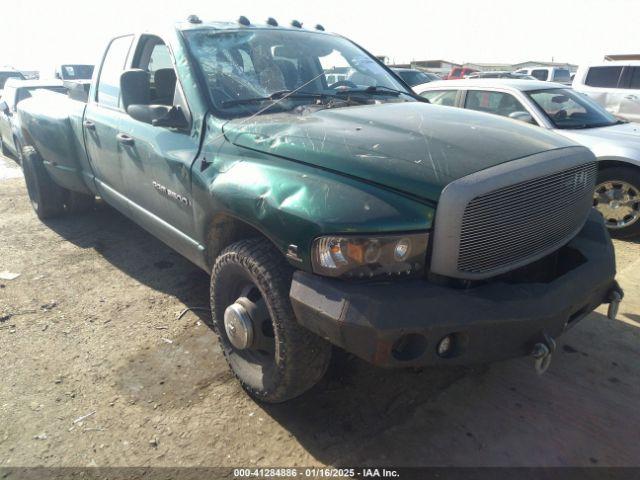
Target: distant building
{"points": [[440, 67], [572, 67], [624, 56], [490, 67], [510, 67], [445, 66]]}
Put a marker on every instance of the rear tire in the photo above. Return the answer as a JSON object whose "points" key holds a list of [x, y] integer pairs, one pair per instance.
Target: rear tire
{"points": [[47, 198], [18, 145], [284, 359], [617, 198]]}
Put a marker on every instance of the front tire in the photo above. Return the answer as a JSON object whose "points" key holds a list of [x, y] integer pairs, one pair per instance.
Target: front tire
{"points": [[47, 198], [274, 357], [617, 198]]}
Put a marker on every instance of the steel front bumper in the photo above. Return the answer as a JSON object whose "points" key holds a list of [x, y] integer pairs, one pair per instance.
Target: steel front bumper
{"points": [[399, 324]]}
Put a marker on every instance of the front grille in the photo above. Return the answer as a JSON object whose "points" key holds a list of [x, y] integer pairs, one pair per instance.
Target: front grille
{"points": [[520, 221]]}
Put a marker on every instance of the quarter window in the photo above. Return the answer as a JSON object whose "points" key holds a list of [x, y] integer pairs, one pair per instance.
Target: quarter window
{"points": [[603, 77], [562, 75], [498, 103], [446, 98], [540, 74], [112, 67]]}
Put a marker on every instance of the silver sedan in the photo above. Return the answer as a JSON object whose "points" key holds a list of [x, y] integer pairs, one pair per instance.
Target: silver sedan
{"points": [[615, 142]]}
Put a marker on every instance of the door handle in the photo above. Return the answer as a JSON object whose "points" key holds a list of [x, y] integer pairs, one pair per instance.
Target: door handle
{"points": [[89, 125], [125, 139]]}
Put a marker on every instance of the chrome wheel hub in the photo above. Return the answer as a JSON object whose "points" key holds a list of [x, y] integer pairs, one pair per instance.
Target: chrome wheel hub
{"points": [[238, 325], [618, 202]]}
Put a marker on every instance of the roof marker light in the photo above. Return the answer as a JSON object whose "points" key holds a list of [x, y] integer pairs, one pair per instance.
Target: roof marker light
{"points": [[244, 21], [272, 21], [296, 24], [320, 27], [194, 19]]}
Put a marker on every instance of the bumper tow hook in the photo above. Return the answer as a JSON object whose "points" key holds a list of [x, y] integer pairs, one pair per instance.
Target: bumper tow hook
{"points": [[615, 297], [542, 353]]}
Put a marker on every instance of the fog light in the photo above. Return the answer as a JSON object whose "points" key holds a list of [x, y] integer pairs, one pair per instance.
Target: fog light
{"points": [[445, 346]]}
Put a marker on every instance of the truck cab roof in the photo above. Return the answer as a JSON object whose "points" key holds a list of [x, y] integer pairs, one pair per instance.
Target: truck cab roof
{"points": [[236, 25]]}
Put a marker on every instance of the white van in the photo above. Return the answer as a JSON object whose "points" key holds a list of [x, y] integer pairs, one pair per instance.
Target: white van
{"points": [[614, 85], [547, 74]]}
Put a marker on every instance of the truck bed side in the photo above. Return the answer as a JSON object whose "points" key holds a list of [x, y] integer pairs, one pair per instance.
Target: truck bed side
{"points": [[52, 123]]}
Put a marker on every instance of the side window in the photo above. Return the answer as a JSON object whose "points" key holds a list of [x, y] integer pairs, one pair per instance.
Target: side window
{"points": [[446, 98], [540, 74], [163, 76], [112, 67], [562, 75], [603, 77], [498, 103], [635, 78], [153, 56], [159, 59]]}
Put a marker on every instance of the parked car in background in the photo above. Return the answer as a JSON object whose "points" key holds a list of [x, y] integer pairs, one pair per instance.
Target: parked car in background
{"points": [[316, 209], [555, 107], [614, 85], [74, 72], [15, 91], [7, 73], [500, 74], [413, 77], [459, 72], [547, 74], [67, 71]]}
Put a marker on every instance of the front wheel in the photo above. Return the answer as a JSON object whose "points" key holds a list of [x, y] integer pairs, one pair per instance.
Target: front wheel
{"points": [[617, 198], [274, 357]]}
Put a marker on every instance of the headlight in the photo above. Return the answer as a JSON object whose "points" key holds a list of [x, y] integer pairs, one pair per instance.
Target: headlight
{"points": [[360, 256]]}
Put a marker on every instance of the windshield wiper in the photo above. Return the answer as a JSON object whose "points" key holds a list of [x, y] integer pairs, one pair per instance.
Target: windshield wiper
{"points": [[279, 95], [374, 90]]}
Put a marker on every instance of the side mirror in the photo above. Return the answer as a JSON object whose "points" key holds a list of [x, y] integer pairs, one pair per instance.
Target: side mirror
{"points": [[158, 115], [4, 108], [135, 88], [522, 117]]}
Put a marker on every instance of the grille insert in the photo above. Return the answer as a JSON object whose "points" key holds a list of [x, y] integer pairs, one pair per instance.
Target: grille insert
{"points": [[513, 223]]}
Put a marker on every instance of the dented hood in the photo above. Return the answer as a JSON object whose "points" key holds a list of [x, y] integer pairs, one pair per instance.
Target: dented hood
{"points": [[413, 147]]}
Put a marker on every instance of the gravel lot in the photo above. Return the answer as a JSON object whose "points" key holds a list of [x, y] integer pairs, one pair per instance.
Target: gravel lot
{"points": [[99, 370]]}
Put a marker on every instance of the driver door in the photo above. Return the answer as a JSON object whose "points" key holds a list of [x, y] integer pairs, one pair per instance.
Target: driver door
{"points": [[156, 161]]}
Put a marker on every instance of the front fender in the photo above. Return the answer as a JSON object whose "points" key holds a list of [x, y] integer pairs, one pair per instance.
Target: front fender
{"points": [[292, 203]]}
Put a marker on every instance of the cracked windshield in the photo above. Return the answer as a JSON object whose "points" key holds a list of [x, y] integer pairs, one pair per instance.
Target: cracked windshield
{"points": [[252, 71]]}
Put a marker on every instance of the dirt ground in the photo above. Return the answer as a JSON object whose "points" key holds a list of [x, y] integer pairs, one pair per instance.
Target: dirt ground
{"points": [[97, 369]]}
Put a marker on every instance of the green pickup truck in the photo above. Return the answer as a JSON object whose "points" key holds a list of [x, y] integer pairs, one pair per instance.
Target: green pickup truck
{"points": [[351, 213]]}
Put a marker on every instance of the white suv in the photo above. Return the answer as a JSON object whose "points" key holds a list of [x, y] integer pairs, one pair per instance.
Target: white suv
{"points": [[547, 74], [614, 85]]}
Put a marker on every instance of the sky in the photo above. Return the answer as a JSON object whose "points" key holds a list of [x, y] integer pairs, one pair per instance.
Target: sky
{"points": [[37, 34]]}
